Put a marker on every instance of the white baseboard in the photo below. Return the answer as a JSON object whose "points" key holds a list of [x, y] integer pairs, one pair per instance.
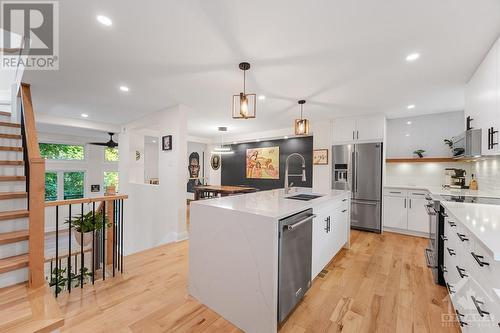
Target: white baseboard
{"points": [[406, 232]]}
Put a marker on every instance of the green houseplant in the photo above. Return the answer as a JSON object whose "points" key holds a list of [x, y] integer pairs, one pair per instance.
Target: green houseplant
{"points": [[419, 153], [86, 224]]}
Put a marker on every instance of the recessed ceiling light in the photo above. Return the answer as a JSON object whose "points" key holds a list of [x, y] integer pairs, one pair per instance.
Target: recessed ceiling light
{"points": [[262, 97], [124, 88], [407, 134], [285, 137], [408, 123], [104, 20], [257, 140], [235, 143], [412, 57], [84, 115], [411, 106], [154, 141]]}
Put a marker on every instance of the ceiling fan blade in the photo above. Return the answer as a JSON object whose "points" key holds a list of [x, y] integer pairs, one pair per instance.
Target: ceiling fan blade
{"points": [[99, 143]]}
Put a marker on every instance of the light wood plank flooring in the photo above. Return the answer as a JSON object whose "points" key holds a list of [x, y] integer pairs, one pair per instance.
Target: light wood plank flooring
{"points": [[381, 285]]}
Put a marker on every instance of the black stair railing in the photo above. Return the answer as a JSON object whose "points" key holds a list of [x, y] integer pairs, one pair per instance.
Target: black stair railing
{"points": [[98, 248]]}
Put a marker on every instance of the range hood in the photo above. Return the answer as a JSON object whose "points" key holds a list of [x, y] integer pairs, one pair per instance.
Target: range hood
{"points": [[467, 144]]}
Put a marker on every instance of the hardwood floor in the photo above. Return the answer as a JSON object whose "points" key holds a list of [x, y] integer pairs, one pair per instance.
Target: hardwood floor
{"points": [[381, 285]]}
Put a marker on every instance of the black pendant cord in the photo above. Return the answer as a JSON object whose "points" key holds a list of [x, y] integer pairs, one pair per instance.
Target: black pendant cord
{"points": [[244, 82]]}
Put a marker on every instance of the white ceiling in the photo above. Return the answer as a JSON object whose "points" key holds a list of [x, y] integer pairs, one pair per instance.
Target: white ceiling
{"points": [[343, 57]]}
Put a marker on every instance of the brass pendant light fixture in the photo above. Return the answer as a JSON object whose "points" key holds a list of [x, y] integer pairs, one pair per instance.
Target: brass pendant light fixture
{"points": [[302, 124], [244, 105]]}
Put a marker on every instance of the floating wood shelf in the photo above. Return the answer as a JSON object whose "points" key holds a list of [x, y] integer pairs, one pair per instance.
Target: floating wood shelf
{"points": [[421, 160]]}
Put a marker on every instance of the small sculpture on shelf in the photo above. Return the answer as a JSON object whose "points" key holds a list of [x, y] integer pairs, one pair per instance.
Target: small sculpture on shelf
{"points": [[419, 153]]}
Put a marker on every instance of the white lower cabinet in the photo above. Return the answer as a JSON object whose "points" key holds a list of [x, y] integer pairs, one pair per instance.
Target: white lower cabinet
{"points": [[470, 278], [404, 211], [330, 231]]}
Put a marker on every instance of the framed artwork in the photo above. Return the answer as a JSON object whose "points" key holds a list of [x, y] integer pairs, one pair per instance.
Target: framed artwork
{"points": [[95, 188], [166, 142], [215, 162], [320, 157], [263, 163]]}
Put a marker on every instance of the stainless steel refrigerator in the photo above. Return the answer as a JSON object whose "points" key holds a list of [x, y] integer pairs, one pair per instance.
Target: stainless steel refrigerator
{"points": [[358, 168]]}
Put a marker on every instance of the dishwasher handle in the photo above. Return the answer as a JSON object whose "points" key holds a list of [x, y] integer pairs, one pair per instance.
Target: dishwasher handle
{"points": [[291, 227]]}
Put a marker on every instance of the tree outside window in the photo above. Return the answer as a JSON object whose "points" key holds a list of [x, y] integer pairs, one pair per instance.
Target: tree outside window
{"points": [[110, 179], [59, 151], [50, 186], [74, 184], [111, 154]]}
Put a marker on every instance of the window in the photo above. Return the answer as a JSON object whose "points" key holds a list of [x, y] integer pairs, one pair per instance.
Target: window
{"points": [[50, 186], [74, 186], [110, 179], [59, 151], [64, 185], [111, 154]]}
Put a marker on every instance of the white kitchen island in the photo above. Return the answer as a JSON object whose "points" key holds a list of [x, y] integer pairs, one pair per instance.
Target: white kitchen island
{"points": [[234, 250]]}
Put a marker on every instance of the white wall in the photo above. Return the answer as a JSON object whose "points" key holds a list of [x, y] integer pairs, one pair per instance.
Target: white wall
{"points": [[154, 214], [151, 154], [426, 132], [322, 139], [487, 172], [94, 167]]}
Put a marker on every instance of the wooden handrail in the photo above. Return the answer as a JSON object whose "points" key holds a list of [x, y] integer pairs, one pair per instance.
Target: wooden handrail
{"points": [[85, 200], [35, 177]]}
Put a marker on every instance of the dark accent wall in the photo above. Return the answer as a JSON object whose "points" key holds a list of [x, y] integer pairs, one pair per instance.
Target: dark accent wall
{"points": [[234, 166]]}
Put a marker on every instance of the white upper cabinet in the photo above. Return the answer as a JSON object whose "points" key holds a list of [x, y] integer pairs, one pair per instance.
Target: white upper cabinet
{"points": [[369, 128], [344, 129], [482, 100]]}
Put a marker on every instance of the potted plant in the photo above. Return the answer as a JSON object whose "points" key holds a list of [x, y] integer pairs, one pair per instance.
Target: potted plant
{"points": [[86, 224], [419, 153]]}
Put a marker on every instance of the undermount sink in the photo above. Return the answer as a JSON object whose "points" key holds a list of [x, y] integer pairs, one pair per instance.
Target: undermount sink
{"points": [[304, 197]]}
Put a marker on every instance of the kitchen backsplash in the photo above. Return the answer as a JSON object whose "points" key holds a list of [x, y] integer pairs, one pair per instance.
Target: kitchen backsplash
{"points": [[424, 174], [487, 173]]}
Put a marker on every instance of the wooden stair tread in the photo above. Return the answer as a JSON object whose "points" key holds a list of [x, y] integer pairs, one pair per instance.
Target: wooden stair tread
{"points": [[11, 148], [13, 214], [14, 236], [10, 136], [13, 195], [12, 263], [32, 311], [12, 178], [5, 113], [7, 124], [5, 162]]}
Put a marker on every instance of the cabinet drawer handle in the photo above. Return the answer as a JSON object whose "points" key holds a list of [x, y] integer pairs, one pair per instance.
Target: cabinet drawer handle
{"points": [[459, 318], [451, 251], [450, 288], [477, 304], [444, 238], [394, 192], [344, 200], [345, 210], [479, 261], [452, 224], [462, 237], [461, 272]]}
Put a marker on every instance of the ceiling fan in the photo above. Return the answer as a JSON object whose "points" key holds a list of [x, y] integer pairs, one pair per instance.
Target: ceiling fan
{"points": [[109, 144]]}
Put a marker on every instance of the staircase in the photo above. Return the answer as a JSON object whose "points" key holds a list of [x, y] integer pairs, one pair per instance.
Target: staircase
{"points": [[26, 302], [14, 228]]}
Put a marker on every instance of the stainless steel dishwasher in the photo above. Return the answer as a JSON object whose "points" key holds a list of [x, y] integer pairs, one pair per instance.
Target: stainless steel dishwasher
{"points": [[295, 258]]}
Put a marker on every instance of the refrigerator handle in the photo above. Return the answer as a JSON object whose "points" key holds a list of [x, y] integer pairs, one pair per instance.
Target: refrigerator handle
{"points": [[356, 174], [353, 176]]}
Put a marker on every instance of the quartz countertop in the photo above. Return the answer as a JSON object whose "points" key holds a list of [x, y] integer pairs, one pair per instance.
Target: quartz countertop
{"points": [[437, 190], [483, 221], [272, 203]]}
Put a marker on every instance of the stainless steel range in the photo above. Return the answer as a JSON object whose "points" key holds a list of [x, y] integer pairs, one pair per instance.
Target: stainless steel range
{"points": [[434, 254]]}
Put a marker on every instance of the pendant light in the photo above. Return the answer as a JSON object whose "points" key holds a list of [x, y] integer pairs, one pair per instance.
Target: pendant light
{"points": [[244, 106], [302, 124], [222, 150]]}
